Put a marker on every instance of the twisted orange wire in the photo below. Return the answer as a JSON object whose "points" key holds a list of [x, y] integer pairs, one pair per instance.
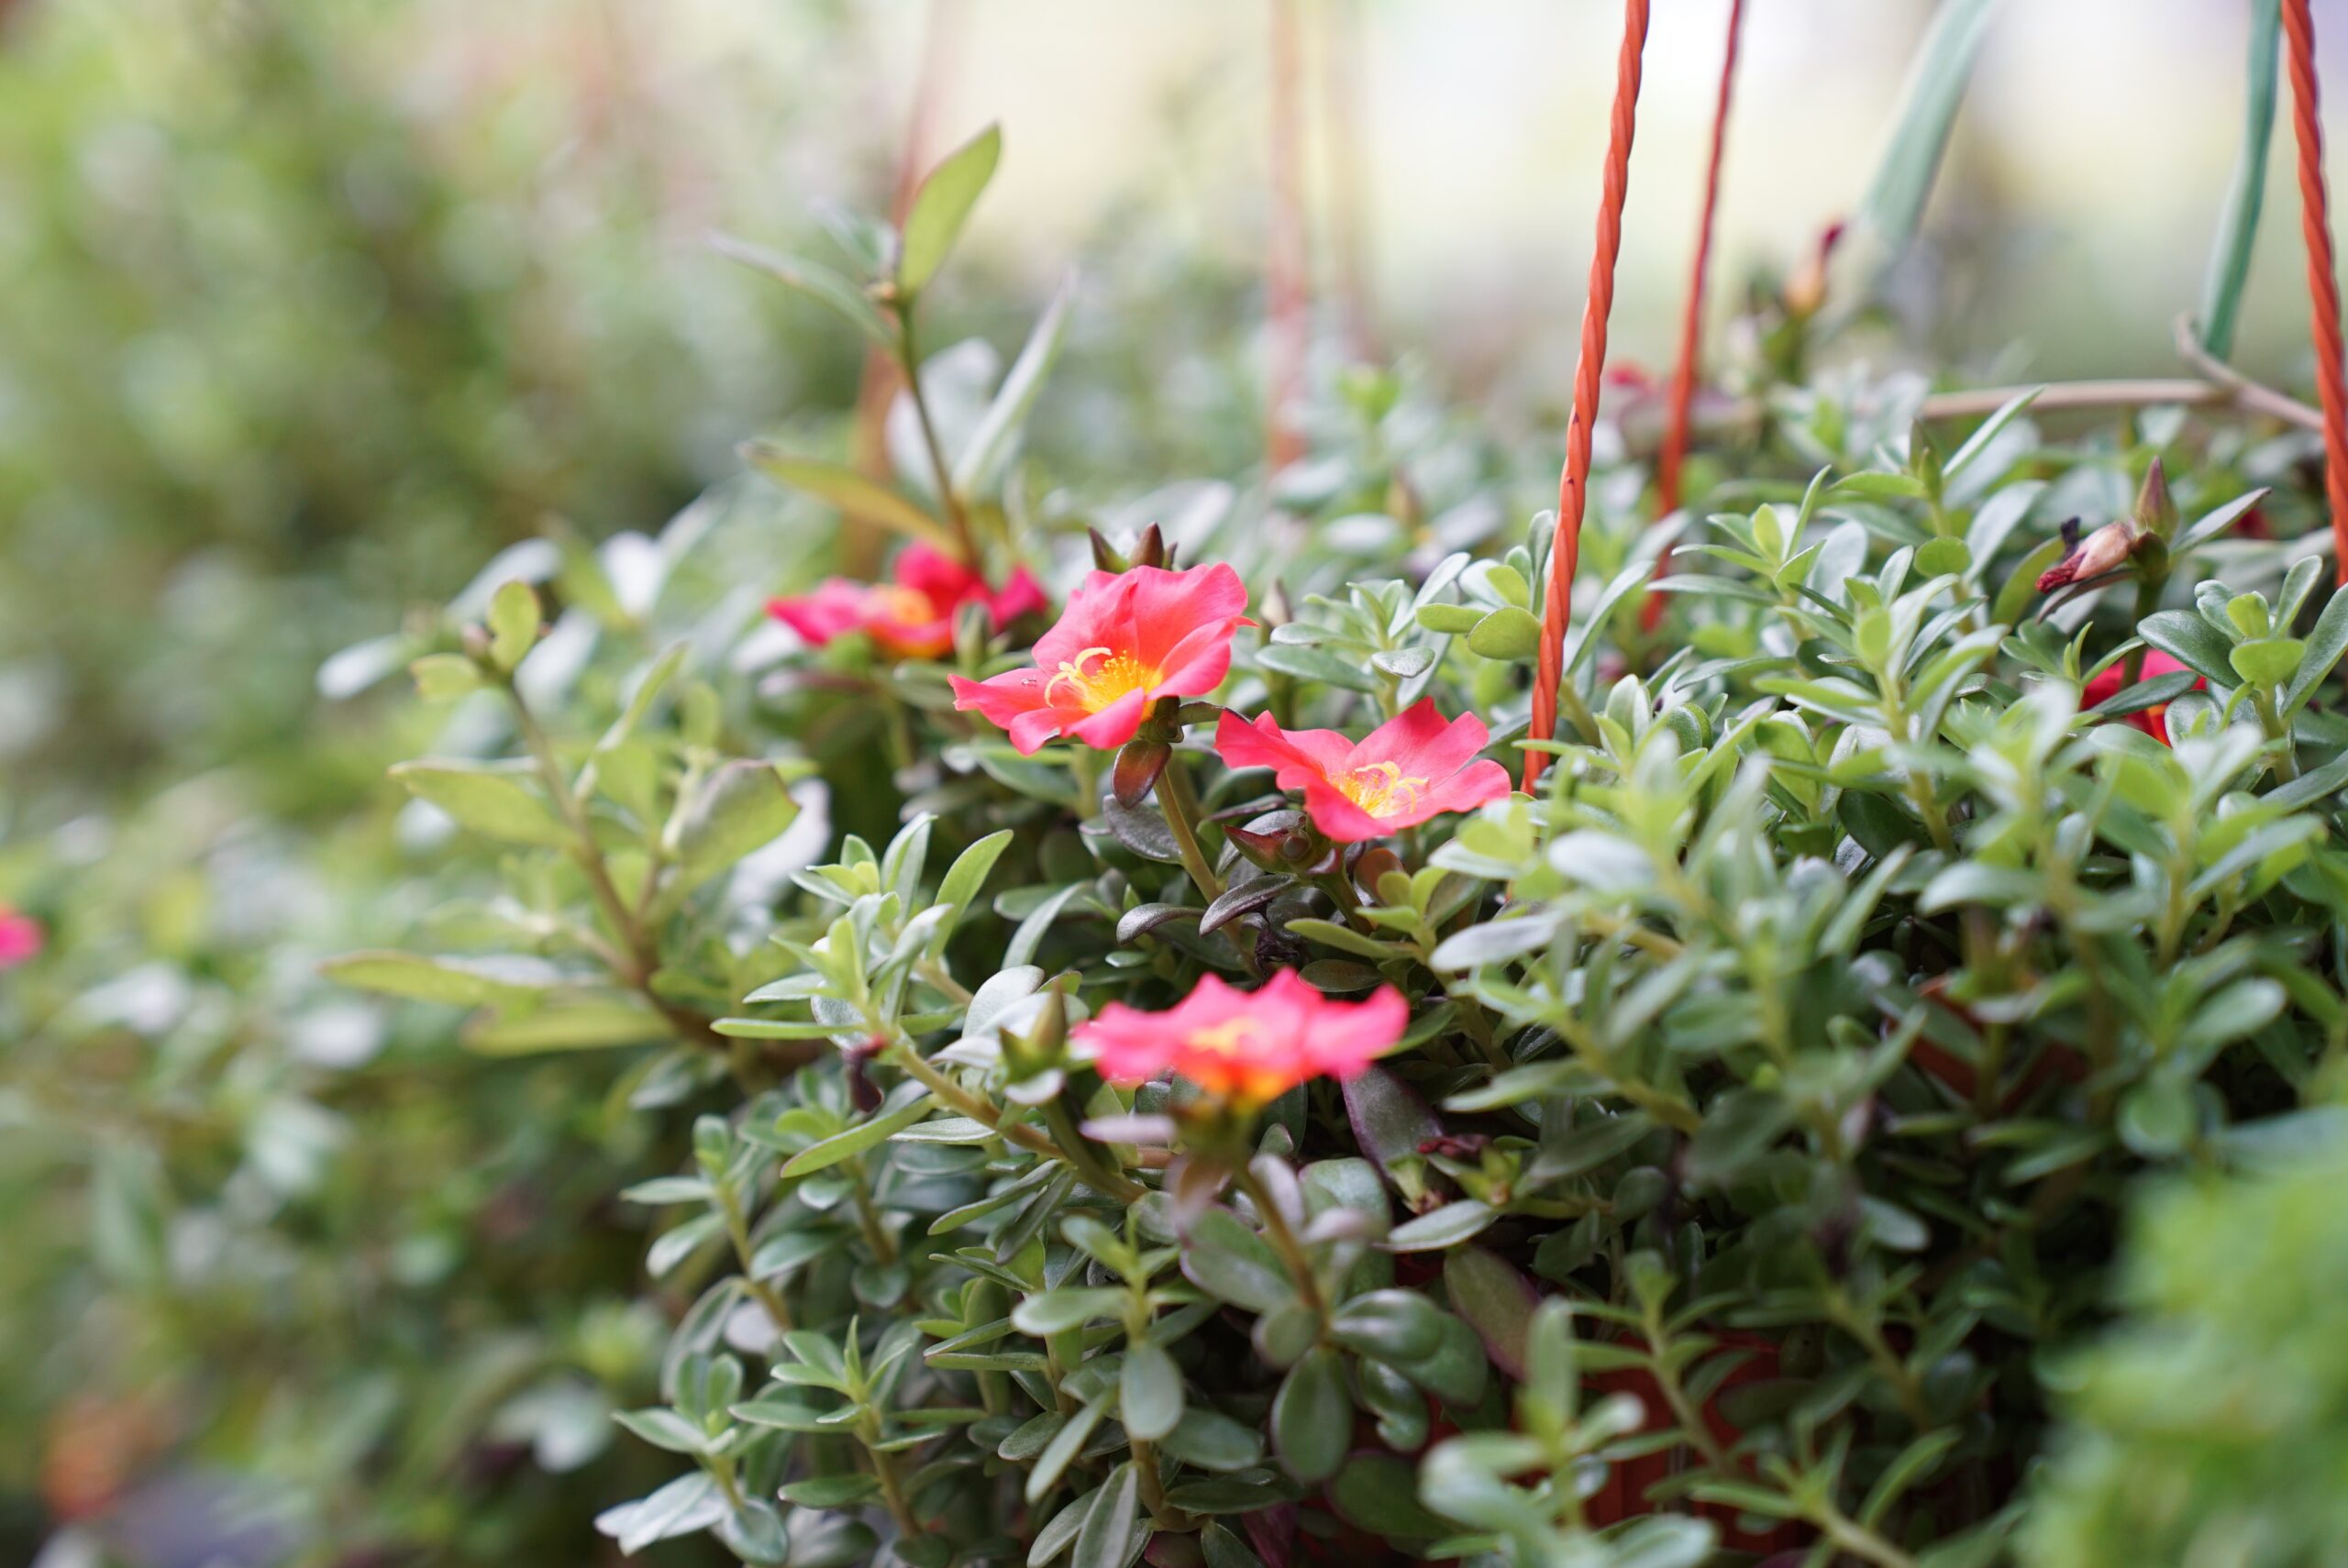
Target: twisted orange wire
{"points": [[1573, 483], [2324, 288], [1691, 320]]}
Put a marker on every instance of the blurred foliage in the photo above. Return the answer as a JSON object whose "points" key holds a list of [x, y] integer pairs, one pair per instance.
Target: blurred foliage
{"points": [[303, 306], [2212, 1426]]}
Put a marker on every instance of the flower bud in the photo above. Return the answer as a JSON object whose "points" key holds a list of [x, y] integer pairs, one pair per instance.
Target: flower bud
{"points": [[2106, 549]]}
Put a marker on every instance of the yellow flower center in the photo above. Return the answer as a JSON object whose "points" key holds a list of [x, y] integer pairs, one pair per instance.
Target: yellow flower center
{"points": [[1099, 676], [903, 606], [1380, 789], [1230, 1038]]}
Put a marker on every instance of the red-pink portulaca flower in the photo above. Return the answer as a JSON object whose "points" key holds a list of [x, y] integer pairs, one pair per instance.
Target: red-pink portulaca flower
{"points": [[2153, 721], [1406, 770], [1125, 639], [911, 616], [1247, 1047], [21, 938]]}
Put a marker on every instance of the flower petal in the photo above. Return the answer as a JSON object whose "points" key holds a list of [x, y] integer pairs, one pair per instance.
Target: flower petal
{"points": [[1114, 726], [1339, 819], [1012, 702], [1422, 742]]}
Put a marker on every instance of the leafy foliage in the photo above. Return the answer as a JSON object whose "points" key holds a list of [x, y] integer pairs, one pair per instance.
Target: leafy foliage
{"points": [[1769, 1084]]}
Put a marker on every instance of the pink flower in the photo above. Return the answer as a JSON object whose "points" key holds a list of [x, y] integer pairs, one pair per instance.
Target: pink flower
{"points": [[1125, 639], [910, 616], [1247, 1047], [21, 938], [1407, 770], [2153, 721]]}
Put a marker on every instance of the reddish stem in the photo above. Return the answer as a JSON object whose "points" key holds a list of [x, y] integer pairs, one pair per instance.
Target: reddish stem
{"points": [[1573, 483], [1691, 320]]}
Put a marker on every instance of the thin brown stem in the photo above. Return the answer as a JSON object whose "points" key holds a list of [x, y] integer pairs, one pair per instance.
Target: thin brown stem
{"points": [[909, 364]]}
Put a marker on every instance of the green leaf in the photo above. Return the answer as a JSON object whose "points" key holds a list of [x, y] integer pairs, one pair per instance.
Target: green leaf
{"points": [[1055, 1311], [1063, 1448], [992, 446], [831, 1491], [513, 622], [1894, 203], [1233, 1263], [1149, 1392], [744, 806], [2267, 662], [866, 1135], [664, 1429], [1495, 1300], [939, 208], [1335, 934], [1975, 445], [1223, 1548], [1312, 1417], [2192, 642], [963, 882], [591, 1021], [854, 494], [812, 279], [2023, 584], [494, 800], [2326, 642], [1445, 1227], [1508, 634], [1391, 1325], [1449, 620], [2237, 225], [1379, 1494], [445, 676], [470, 982], [783, 1414], [1210, 1440], [1106, 1535]]}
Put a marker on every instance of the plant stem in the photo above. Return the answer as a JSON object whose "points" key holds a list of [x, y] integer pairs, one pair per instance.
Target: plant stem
{"points": [[638, 958], [1179, 804], [2270, 719], [737, 1231], [1081, 1153], [909, 361], [978, 1108], [1284, 1241]]}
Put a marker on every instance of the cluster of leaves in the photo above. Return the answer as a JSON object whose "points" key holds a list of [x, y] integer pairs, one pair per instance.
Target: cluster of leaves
{"points": [[1775, 1074]]}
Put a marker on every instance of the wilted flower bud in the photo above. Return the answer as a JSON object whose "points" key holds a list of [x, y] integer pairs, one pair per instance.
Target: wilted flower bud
{"points": [[1805, 291], [2106, 549]]}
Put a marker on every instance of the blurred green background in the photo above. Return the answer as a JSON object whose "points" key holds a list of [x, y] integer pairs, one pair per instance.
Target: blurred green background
{"points": [[307, 307]]}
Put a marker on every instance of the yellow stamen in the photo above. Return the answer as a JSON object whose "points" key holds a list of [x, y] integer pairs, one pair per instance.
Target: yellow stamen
{"points": [[1380, 789], [1117, 675]]}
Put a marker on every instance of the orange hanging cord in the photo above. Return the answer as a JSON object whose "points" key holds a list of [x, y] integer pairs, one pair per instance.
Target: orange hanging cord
{"points": [[1573, 483], [2324, 287], [1691, 320]]}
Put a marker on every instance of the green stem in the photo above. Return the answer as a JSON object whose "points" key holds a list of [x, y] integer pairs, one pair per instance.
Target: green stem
{"points": [[2270, 719], [1283, 1240], [1179, 804], [737, 1231], [1081, 1153], [909, 362], [978, 1108]]}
